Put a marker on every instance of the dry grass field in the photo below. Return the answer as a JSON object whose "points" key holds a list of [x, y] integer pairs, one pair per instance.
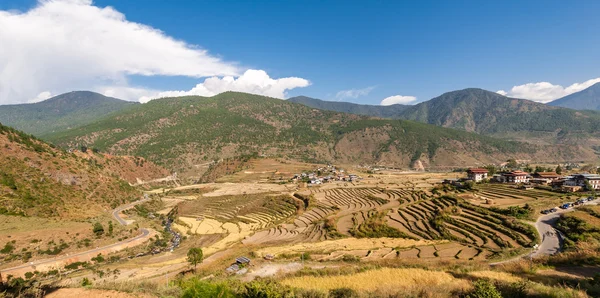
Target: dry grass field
{"points": [[384, 280]]}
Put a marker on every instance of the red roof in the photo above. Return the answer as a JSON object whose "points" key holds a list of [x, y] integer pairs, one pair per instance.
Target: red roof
{"points": [[477, 170]]}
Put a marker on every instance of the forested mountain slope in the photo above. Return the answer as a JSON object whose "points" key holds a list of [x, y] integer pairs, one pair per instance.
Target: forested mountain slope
{"points": [[179, 133], [61, 112]]}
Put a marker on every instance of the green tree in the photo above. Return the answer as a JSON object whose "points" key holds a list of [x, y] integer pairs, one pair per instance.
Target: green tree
{"points": [[469, 185], [86, 282], [589, 187], [195, 256], [539, 169], [558, 170], [528, 168], [98, 229], [491, 169], [110, 227], [512, 164]]}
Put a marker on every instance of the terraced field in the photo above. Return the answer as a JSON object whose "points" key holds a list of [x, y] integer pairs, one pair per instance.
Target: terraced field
{"points": [[322, 214], [453, 219], [505, 195]]}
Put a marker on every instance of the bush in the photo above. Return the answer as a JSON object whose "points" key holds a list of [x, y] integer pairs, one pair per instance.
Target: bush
{"points": [[343, 293], [98, 229], [484, 289], [86, 282], [265, 289], [201, 289], [8, 248]]}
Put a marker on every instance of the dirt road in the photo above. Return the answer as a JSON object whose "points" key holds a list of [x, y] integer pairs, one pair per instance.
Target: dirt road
{"points": [[61, 261]]}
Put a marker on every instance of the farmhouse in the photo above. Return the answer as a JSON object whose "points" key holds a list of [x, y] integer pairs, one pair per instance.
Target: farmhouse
{"points": [[516, 177], [545, 178], [477, 174], [582, 179]]}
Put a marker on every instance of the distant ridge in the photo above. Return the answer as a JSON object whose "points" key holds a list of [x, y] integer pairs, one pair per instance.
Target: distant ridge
{"points": [[59, 113], [490, 113], [184, 131], [392, 111], [587, 99]]}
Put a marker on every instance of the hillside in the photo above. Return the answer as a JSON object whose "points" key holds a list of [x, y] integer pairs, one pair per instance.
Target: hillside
{"points": [[180, 133], [37, 179], [489, 113], [61, 112], [392, 111], [588, 99]]}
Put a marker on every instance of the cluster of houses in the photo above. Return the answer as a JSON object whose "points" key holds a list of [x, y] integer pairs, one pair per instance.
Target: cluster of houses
{"points": [[570, 183], [325, 174]]}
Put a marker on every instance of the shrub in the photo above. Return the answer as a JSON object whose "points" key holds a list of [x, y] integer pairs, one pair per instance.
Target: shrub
{"points": [[86, 282], [484, 289], [343, 293], [8, 248], [201, 289], [98, 229], [265, 289]]}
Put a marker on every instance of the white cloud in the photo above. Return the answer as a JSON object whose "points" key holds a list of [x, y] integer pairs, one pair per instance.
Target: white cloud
{"points": [[41, 97], [544, 91], [63, 45], [397, 99], [353, 93], [252, 81]]}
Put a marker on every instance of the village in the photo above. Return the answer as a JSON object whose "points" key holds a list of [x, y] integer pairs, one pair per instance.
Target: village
{"points": [[325, 174], [547, 180]]}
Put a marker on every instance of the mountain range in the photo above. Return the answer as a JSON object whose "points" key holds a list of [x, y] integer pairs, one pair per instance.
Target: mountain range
{"points": [[182, 132], [470, 126], [391, 111], [588, 99], [61, 112]]}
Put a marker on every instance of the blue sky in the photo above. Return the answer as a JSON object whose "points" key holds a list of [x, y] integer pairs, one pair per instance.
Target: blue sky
{"points": [[416, 48]]}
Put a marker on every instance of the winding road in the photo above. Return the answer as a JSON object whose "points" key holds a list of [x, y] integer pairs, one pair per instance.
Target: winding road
{"points": [[69, 258], [552, 239]]}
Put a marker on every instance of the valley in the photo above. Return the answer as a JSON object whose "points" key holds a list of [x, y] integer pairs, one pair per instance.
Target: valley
{"points": [[278, 194]]}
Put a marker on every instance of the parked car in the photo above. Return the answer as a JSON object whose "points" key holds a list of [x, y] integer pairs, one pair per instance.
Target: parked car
{"points": [[553, 210], [590, 199], [546, 211], [566, 205]]}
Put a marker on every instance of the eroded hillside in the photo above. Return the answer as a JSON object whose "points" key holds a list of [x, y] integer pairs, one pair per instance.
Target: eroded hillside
{"points": [[37, 179]]}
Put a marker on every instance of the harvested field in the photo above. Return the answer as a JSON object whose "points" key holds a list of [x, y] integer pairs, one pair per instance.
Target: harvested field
{"points": [[389, 280], [502, 195], [345, 244]]}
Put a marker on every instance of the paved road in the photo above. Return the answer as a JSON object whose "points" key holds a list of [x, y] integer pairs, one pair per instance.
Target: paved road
{"points": [[552, 239], [118, 210], [116, 215]]}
